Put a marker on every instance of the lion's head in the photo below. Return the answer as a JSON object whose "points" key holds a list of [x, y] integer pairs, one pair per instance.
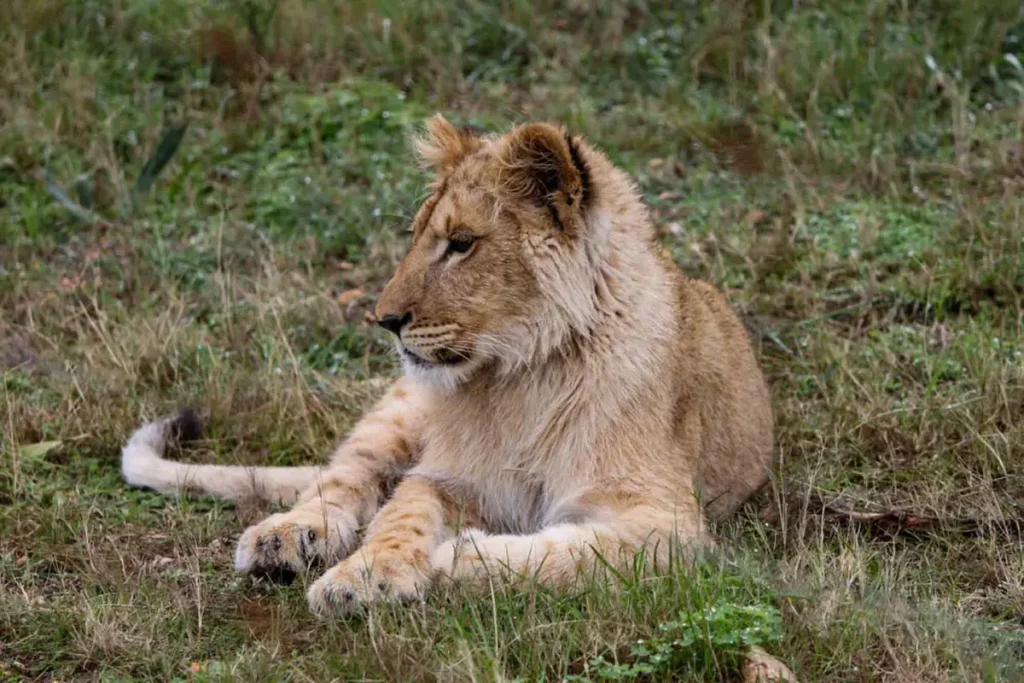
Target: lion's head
{"points": [[505, 253]]}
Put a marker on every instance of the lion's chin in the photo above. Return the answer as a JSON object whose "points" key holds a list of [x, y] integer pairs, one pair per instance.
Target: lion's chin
{"points": [[442, 358], [447, 371]]}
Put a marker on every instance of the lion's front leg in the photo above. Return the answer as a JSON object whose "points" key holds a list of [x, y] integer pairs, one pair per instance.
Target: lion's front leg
{"points": [[322, 527], [616, 533], [393, 563], [317, 531]]}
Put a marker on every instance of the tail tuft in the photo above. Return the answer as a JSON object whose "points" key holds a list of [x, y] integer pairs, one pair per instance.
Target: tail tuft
{"points": [[186, 427]]}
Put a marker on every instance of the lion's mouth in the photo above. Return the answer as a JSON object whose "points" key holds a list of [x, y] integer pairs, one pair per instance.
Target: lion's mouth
{"points": [[441, 357]]}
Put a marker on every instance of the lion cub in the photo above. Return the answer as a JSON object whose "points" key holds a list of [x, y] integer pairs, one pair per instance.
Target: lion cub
{"points": [[567, 392]]}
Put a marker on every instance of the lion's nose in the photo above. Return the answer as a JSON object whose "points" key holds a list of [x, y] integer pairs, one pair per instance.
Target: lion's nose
{"points": [[394, 324]]}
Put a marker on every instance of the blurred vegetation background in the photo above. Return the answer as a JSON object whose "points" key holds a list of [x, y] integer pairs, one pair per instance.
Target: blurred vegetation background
{"points": [[200, 201]]}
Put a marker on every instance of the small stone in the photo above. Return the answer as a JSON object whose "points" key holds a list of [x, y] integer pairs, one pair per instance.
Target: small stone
{"points": [[761, 667]]}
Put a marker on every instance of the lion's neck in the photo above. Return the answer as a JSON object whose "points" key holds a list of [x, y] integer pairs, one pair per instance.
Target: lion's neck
{"points": [[608, 356]]}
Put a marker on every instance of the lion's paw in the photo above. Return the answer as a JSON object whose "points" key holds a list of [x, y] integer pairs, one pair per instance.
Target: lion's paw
{"points": [[290, 543], [359, 581]]}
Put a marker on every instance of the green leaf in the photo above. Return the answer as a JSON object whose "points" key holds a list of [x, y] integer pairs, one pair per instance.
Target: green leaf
{"points": [[36, 451], [73, 207], [84, 191], [155, 165]]}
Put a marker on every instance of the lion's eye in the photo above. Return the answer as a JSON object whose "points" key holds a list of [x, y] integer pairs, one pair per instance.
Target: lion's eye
{"points": [[460, 243]]}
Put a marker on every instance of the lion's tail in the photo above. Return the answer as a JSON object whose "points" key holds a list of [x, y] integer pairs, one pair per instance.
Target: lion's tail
{"points": [[143, 464]]}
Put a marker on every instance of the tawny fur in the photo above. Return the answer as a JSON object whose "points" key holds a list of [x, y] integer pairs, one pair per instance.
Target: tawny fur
{"points": [[568, 392]]}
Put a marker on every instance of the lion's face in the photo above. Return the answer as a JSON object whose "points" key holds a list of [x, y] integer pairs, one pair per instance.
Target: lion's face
{"points": [[492, 254]]}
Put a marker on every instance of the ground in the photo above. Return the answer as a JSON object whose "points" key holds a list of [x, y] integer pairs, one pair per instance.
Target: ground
{"points": [[850, 173]]}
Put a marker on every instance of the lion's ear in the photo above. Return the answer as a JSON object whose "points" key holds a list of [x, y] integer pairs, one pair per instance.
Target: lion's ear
{"points": [[443, 145], [544, 163]]}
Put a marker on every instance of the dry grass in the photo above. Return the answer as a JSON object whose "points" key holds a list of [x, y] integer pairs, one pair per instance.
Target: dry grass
{"points": [[850, 174]]}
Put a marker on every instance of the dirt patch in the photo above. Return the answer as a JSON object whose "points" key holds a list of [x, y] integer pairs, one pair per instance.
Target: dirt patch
{"points": [[739, 147], [251, 510]]}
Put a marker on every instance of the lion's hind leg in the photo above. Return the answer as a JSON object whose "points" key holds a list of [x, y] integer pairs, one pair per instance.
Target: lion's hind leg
{"points": [[620, 529]]}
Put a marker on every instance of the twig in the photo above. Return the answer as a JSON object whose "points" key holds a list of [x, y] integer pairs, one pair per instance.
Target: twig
{"points": [[897, 521]]}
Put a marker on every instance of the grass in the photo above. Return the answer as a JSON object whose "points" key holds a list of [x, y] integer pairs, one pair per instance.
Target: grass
{"points": [[851, 173]]}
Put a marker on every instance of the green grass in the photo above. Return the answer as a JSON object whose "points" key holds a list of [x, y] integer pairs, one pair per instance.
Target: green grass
{"points": [[851, 173]]}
